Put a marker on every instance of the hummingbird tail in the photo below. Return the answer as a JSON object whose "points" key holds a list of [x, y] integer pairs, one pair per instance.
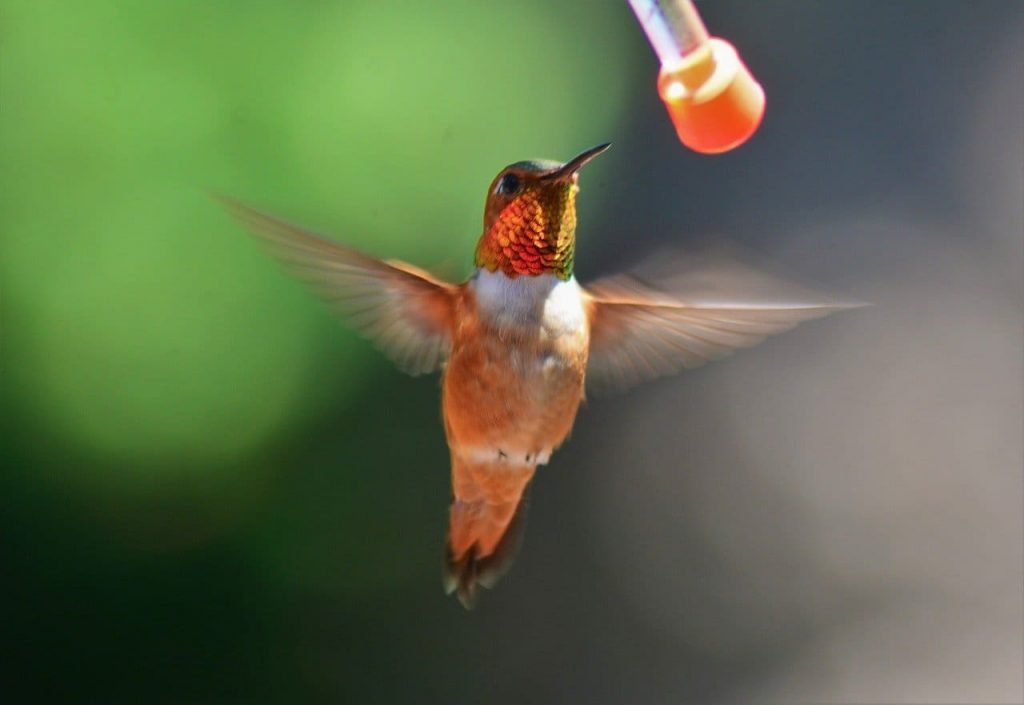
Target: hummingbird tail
{"points": [[483, 540]]}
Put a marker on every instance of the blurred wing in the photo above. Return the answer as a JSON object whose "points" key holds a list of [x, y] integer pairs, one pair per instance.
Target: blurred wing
{"points": [[403, 309], [638, 334]]}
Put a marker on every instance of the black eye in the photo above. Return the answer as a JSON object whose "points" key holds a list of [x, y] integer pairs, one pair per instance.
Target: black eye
{"points": [[508, 185]]}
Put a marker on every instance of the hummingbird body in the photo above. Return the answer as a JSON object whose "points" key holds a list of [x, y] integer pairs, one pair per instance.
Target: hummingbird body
{"points": [[513, 382], [517, 342], [510, 393]]}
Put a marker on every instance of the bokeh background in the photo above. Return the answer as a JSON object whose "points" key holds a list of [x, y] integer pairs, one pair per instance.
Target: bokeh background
{"points": [[212, 492]]}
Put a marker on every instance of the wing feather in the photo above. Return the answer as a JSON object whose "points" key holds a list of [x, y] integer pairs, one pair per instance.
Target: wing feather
{"points": [[404, 310], [638, 334]]}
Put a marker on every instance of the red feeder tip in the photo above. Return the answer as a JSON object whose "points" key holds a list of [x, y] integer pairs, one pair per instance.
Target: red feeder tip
{"points": [[714, 101]]}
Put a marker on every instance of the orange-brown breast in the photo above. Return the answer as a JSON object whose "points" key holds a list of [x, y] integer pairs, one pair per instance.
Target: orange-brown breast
{"points": [[515, 387]]}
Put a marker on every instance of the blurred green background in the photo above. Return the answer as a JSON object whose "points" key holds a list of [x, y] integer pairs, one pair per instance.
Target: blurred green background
{"points": [[159, 331], [212, 492]]}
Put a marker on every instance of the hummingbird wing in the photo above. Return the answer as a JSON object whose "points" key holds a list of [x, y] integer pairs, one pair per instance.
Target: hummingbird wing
{"points": [[638, 334], [405, 311]]}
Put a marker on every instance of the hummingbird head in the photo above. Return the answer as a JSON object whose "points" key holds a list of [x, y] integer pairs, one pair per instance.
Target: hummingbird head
{"points": [[530, 217]]}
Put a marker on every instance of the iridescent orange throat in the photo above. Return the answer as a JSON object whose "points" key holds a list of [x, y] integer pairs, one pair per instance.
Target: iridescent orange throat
{"points": [[535, 233]]}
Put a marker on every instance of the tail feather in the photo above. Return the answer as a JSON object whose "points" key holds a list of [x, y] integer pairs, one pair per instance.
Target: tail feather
{"points": [[485, 522], [490, 555]]}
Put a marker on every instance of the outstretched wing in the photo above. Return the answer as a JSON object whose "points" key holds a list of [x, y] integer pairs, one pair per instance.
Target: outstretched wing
{"points": [[404, 310], [638, 334]]}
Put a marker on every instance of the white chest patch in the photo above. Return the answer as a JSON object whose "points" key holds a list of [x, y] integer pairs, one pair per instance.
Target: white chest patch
{"points": [[541, 301]]}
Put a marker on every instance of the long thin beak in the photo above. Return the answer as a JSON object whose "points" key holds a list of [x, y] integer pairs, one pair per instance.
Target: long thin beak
{"points": [[574, 164]]}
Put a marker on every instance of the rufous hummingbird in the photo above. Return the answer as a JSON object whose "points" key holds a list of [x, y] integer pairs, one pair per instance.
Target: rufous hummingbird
{"points": [[515, 342]]}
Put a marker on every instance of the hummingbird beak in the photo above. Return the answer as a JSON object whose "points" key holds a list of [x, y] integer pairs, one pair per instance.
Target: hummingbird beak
{"points": [[573, 165]]}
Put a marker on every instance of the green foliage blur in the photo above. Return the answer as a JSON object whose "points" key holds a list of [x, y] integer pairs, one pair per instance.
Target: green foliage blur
{"points": [[189, 439], [158, 330]]}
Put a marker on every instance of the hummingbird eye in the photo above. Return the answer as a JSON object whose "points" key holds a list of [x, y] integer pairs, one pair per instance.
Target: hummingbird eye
{"points": [[508, 185]]}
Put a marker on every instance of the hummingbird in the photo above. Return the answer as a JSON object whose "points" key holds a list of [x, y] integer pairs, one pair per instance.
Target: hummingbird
{"points": [[516, 342]]}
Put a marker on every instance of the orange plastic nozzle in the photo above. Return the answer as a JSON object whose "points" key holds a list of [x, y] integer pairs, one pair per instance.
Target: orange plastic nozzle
{"points": [[713, 100]]}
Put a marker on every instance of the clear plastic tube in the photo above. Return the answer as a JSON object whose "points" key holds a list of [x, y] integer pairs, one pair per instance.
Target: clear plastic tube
{"points": [[673, 28]]}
